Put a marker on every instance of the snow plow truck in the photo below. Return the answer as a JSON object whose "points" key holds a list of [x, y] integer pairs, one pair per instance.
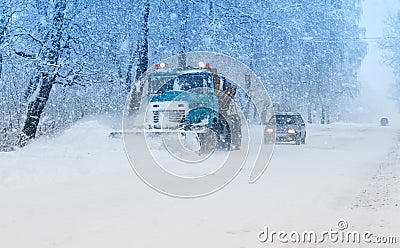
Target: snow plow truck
{"points": [[196, 100]]}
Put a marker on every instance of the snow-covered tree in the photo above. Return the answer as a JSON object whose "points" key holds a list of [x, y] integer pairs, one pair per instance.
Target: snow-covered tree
{"points": [[62, 60], [392, 45]]}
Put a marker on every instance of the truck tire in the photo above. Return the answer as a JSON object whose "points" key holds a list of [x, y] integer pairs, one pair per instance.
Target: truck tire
{"points": [[236, 134], [207, 141], [224, 138]]}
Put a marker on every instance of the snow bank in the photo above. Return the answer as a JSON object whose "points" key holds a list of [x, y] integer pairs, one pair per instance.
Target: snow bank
{"points": [[83, 149]]}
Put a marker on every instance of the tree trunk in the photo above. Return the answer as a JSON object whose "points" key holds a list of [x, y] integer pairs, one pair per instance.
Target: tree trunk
{"points": [[309, 114], [1, 65], [142, 63], [247, 97], [183, 34], [35, 108], [143, 47], [323, 115], [3, 32], [47, 74]]}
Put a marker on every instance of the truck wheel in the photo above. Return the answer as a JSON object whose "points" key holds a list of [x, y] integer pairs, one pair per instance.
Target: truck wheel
{"points": [[207, 141], [236, 135], [268, 141], [224, 139]]}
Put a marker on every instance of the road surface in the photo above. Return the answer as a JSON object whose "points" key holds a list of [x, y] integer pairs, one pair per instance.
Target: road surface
{"points": [[78, 190]]}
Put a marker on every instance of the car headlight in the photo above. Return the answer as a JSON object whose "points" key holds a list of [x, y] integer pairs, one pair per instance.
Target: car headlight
{"points": [[291, 131], [270, 130]]}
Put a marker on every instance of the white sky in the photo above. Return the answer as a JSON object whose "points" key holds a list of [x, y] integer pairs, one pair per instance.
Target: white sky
{"points": [[377, 79]]}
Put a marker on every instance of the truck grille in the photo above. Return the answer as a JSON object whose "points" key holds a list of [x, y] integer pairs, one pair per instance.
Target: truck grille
{"points": [[169, 115], [156, 116]]}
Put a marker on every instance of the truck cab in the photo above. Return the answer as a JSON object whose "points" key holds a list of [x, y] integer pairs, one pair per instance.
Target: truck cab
{"points": [[196, 100]]}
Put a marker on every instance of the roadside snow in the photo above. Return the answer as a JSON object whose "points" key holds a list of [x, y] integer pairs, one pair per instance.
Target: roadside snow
{"points": [[81, 150]]}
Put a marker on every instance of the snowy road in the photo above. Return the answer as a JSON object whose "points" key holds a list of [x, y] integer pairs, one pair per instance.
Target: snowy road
{"points": [[78, 190]]}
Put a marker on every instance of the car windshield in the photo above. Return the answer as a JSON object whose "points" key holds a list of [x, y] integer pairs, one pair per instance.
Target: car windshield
{"points": [[285, 119]]}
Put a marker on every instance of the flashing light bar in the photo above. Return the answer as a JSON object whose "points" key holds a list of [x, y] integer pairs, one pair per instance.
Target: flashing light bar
{"points": [[201, 65], [160, 65]]}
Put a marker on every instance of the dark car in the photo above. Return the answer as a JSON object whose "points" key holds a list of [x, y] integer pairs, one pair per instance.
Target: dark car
{"points": [[384, 121], [285, 127]]}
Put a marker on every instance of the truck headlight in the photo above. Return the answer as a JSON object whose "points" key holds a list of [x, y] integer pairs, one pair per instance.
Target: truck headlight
{"points": [[291, 131], [270, 130]]}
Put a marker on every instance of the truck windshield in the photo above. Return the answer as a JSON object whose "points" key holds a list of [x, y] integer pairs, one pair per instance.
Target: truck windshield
{"points": [[188, 81]]}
